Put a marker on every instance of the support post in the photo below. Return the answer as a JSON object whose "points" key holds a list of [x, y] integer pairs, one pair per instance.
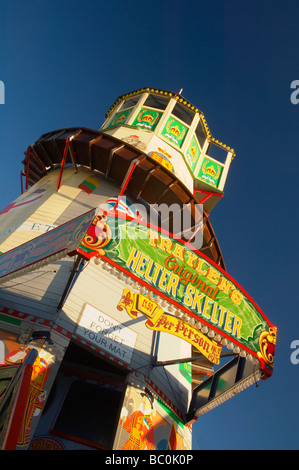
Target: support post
{"points": [[63, 163]]}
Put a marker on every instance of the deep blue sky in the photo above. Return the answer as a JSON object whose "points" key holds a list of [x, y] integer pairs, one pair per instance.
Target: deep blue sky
{"points": [[65, 62]]}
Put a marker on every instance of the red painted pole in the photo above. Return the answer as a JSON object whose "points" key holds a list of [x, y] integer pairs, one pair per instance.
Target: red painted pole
{"points": [[126, 182], [20, 403], [63, 163]]}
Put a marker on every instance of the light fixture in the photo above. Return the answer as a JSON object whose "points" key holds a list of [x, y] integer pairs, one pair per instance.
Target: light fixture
{"points": [[178, 313]]}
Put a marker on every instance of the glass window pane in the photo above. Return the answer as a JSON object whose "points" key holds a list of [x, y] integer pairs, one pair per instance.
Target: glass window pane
{"points": [[184, 114], [130, 103], [200, 133], [88, 414], [156, 101]]}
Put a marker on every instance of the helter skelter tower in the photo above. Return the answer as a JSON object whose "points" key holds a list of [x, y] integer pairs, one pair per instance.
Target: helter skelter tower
{"points": [[119, 328]]}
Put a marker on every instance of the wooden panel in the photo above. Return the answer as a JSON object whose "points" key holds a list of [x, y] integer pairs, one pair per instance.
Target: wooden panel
{"points": [[94, 149], [103, 292], [38, 292], [40, 208]]}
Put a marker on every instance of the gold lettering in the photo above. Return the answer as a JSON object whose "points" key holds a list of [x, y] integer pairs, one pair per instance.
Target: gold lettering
{"points": [[214, 318], [228, 322], [173, 285], [197, 301], [199, 266], [163, 279], [157, 272], [133, 258], [141, 264], [153, 238], [236, 297], [224, 285], [213, 275], [166, 245], [191, 258], [148, 270], [237, 327], [221, 315], [188, 297], [179, 252], [206, 307]]}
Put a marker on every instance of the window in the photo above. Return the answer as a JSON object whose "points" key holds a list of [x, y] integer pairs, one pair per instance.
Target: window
{"points": [[156, 101], [200, 133], [130, 103], [88, 414], [90, 409], [217, 152], [184, 114]]}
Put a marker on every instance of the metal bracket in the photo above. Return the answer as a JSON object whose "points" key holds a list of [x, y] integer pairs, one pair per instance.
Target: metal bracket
{"points": [[188, 359]]}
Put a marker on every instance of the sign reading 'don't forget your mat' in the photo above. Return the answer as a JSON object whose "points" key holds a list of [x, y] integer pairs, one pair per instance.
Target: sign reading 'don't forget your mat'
{"points": [[104, 332]]}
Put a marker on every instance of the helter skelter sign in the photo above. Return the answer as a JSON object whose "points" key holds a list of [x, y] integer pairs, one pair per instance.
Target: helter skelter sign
{"points": [[186, 278]]}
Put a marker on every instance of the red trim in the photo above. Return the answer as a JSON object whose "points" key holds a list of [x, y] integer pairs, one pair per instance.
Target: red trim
{"points": [[78, 439], [63, 163], [178, 305], [126, 182], [37, 159], [73, 155], [100, 351], [209, 260], [207, 196], [163, 397], [24, 316], [30, 152], [18, 411]]}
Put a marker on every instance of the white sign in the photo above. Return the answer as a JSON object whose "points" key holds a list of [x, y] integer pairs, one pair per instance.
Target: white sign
{"points": [[99, 329]]}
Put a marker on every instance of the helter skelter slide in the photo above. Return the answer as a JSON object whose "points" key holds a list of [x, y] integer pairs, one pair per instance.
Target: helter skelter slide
{"points": [[119, 324]]}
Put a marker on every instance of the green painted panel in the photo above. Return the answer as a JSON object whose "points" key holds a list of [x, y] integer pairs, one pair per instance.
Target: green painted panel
{"points": [[186, 277], [193, 153], [120, 118], [210, 172], [174, 131], [147, 119]]}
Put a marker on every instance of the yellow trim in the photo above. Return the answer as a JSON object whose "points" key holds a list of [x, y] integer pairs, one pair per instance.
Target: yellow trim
{"points": [[179, 98]]}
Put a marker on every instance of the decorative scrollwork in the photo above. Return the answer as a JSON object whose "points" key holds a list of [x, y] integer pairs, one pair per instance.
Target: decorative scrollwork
{"points": [[98, 235], [267, 342]]}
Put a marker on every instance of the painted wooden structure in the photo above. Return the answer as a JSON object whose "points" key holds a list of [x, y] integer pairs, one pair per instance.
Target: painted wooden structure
{"points": [[106, 347]]}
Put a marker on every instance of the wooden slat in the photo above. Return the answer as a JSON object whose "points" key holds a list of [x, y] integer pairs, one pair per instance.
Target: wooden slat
{"points": [[111, 156]]}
